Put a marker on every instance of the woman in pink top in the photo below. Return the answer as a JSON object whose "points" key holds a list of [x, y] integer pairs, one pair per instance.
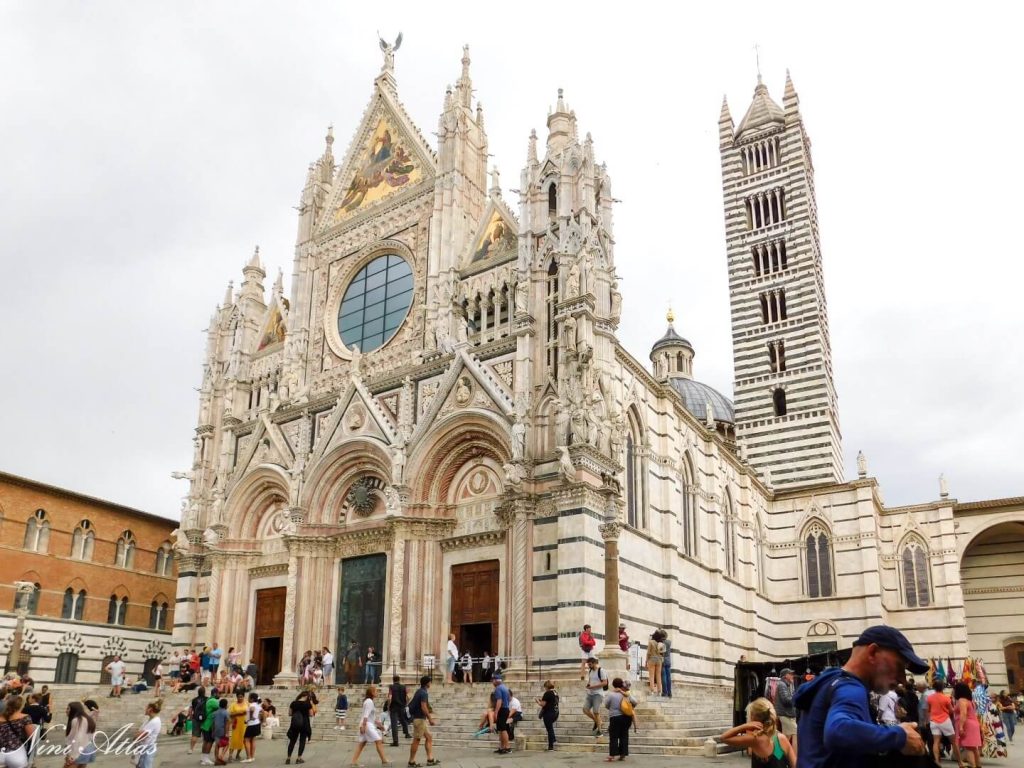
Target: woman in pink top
{"points": [[968, 729], [940, 712]]}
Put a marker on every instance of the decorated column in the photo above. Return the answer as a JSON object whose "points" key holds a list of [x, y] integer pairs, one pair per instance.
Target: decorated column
{"points": [[613, 658], [286, 675], [521, 578], [394, 651]]}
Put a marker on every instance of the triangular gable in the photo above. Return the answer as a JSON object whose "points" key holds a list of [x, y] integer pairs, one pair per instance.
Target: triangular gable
{"points": [[497, 237], [265, 445], [481, 389], [274, 329], [387, 159], [357, 412]]}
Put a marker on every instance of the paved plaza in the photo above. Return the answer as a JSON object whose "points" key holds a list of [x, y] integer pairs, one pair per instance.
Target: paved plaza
{"points": [[173, 753]]}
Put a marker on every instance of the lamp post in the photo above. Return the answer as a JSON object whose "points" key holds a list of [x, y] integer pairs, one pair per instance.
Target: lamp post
{"points": [[22, 591]]}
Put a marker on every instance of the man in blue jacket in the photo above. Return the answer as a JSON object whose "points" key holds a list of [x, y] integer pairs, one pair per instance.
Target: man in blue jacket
{"points": [[835, 727]]}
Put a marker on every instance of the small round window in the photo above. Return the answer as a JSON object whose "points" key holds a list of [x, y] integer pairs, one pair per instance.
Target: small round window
{"points": [[375, 303]]}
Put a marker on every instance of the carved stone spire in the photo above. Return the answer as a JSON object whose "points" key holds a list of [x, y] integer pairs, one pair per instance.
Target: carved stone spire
{"points": [[495, 182]]}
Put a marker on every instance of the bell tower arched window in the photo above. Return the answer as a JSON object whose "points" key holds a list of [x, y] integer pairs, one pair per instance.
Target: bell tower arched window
{"points": [[779, 401], [818, 561], [552, 201], [915, 574]]}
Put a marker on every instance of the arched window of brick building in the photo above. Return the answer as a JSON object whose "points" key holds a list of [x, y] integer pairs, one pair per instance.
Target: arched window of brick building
{"points": [[74, 604], [82, 541], [117, 610], [164, 560], [158, 614], [37, 532], [125, 555]]}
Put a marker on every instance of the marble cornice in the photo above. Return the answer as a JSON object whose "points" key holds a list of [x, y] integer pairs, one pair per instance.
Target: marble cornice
{"points": [[483, 539], [993, 590], [264, 571]]}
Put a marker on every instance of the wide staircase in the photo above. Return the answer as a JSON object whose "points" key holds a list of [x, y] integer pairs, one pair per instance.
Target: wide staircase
{"points": [[677, 726]]}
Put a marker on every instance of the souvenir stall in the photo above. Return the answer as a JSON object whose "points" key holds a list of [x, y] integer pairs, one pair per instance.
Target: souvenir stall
{"points": [[972, 672], [753, 679]]}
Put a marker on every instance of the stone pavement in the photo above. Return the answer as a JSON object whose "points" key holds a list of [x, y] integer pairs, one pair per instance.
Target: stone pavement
{"points": [[173, 754]]}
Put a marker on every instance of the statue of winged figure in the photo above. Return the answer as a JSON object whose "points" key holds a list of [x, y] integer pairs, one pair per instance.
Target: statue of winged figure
{"points": [[389, 51]]}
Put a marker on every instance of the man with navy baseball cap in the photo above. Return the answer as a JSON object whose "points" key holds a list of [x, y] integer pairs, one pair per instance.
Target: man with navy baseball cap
{"points": [[835, 727]]}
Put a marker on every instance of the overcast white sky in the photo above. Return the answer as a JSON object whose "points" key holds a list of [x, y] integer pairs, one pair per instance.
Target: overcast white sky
{"points": [[147, 146]]}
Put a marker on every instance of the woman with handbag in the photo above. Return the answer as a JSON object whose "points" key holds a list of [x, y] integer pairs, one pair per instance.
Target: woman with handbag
{"points": [[549, 711], [369, 730]]}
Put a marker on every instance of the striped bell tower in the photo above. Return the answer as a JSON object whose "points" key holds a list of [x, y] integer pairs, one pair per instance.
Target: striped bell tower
{"points": [[787, 418]]}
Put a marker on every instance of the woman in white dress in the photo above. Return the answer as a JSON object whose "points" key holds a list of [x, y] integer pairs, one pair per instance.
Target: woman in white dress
{"points": [[369, 732]]}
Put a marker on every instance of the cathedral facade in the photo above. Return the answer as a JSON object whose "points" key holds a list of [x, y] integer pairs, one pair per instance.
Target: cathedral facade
{"points": [[438, 431]]}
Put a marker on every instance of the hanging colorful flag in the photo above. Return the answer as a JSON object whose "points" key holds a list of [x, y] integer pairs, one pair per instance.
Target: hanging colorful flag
{"points": [[940, 672]]}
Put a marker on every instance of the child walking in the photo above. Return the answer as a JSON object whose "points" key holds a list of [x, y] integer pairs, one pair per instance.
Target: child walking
{"points": [[340, 709]]}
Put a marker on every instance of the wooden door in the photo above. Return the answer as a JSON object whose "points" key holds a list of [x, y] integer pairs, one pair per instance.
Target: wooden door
{"points": [[475, 596], [1014, 655], [268, 627]]}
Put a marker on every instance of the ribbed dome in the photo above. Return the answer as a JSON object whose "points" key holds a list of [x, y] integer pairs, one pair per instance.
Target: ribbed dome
{"points": [[763, 111], [671, 338], [696, 396]]}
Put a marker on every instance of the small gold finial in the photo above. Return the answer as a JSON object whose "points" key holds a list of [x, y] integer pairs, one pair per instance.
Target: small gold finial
{"points": [[670, 315]]}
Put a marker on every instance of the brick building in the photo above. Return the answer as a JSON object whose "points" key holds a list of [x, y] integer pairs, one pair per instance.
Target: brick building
{"points": [[104, 582]]}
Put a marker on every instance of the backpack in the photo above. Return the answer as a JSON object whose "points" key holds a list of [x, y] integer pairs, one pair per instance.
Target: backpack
{"points": [[602, 677], [626, 706]]}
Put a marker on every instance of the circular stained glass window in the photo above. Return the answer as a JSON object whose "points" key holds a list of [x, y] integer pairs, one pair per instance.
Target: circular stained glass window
{"points": [[375, 303]]}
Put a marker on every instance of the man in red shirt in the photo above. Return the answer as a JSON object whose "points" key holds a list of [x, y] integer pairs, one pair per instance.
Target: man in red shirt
{"points": [[587, 643]]}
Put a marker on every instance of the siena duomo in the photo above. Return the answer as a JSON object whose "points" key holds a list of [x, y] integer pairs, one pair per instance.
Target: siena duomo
{"points": [[437, 430]]}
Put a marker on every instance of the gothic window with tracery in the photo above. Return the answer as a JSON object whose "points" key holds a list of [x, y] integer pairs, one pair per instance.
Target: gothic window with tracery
{"points": [[914, 568], [818, 561], [636, 497], [729, 535], [690, 532]]}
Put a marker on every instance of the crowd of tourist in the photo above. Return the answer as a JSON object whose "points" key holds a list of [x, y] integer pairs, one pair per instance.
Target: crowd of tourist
{"points": [[842, 717]]}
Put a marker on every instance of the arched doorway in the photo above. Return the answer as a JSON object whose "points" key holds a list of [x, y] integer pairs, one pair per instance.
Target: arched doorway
{"points": [[67, 668], [1013, 654], [104, 674], [147, 671], [992, 579]]}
